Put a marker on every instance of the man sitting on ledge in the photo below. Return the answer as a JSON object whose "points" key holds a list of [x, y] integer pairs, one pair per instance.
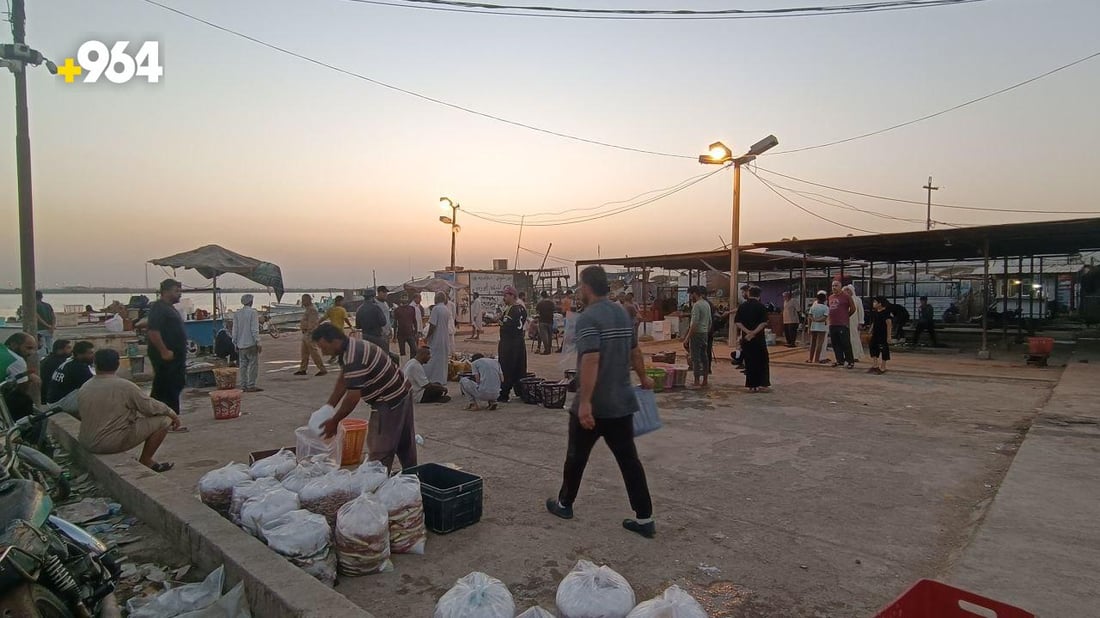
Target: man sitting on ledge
{"points": [[116, 415]]}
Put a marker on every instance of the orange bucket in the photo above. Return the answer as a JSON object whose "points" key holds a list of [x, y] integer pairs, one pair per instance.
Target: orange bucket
{"points": [[355, 436]]}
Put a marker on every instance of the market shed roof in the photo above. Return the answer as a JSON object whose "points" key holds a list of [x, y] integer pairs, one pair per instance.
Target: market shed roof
{"points": [[1012, 239], [750, 261]]}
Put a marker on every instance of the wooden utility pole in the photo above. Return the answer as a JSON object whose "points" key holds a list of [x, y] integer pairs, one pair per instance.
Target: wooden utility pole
{"points": [[23, 174], [930, 189]]}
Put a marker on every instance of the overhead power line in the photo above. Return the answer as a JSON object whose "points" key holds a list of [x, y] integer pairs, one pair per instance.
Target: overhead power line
{"points": [[942, 111], [803, 208], [828, 200], [952, 206], [690, 182], [560, 12], [412, 93]]}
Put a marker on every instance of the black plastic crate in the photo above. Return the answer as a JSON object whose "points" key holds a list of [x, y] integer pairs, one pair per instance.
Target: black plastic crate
{"points": [[452, 498]]}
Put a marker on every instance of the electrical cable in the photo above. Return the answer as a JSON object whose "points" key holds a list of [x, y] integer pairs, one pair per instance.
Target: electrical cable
{"points": [[942, 111], [596, 217], [557, 12], [412, 93], [550, 256], [904, 201], [804, 209]]}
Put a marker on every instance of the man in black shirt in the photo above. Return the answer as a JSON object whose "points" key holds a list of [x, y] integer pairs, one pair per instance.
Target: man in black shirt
{"points": [[510, 351], [925, 322], [62, 350], [881, 323], [168, 346], [71, 375], [545, 309], [371, 319]]}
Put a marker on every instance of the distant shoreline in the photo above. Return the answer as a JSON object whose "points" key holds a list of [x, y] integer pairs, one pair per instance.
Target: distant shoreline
{"points": [[150, 291]]}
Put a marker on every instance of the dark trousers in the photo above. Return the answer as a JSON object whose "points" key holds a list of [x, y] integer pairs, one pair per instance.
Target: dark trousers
{"points": [[546, 337], [168, 382], [899, 331], [407, 340], [392, 431], [378, 340], [841, 338], [513, 364], [433, 393], [790, 331], [618, 433], [925, 326]]}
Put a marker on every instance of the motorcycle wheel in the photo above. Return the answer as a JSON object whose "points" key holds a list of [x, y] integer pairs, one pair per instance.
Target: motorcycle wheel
{"points": [[32, 600]]}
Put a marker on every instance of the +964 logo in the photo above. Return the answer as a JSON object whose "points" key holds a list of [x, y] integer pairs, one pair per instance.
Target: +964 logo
{"points": [[96, 60]]}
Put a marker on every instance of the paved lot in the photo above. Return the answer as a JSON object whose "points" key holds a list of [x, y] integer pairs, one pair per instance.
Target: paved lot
{"points": [[826, 497]]}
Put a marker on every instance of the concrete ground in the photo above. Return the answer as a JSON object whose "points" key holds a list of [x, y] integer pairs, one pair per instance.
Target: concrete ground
{"points": [[827, 497]]}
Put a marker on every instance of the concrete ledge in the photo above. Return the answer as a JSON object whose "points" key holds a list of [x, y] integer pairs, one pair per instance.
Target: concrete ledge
{"points": [[275, 587]]}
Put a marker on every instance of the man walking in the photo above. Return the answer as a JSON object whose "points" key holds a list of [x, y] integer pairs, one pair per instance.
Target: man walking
{"points": [[246, 337], [168, 346], [925, 322], [423, 390], [841, 310], [477, 315], [545, 311], [310, 319], [510, 351], [368, 373], [440, 340], [407, 323], [790, 319], [371, 319], [697, 336], [607, 349]]}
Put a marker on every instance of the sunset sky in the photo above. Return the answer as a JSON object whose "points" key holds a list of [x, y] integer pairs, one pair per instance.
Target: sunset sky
{"points": [[330, 176]]}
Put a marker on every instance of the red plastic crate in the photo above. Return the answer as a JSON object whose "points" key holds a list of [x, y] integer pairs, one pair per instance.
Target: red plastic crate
{"points": [[932, 599]]}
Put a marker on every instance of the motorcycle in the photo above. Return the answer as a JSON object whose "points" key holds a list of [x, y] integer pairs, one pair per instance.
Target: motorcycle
{"points": [[31, 463], [49, 567]]}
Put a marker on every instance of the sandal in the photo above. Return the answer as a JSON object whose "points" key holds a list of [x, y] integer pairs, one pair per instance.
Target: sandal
{"points": [[179, 430], [473, 407], [492, 406], [164, 466]]}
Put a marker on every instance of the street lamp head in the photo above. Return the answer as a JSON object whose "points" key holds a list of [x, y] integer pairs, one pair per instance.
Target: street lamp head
{"points": [[446, 219], [717, 154], [763, 145], [445, 202]]}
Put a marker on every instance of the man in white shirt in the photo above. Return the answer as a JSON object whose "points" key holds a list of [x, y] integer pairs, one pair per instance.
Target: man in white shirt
{"points": [[454, 321], [477, 314], [486, 383], [423, 390], [440, 340], [246, 337]]}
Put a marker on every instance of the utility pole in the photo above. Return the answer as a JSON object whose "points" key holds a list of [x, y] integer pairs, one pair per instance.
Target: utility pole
{"points": [[930, 190], [23, 174]]}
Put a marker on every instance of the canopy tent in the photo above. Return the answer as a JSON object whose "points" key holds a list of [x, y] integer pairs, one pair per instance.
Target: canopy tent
{"points": [[212, 260], [432, 284]]}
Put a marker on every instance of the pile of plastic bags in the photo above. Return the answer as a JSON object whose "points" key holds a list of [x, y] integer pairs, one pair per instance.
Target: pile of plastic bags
{"points": [[201, 600], [405, 505]]}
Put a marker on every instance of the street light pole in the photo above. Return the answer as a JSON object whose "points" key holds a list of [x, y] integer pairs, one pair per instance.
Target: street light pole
{"points": [[23, 176], [719, 154], [452, 221]]}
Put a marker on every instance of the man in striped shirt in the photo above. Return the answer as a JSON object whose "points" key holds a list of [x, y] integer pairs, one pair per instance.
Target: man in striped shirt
{"points": [[368, 373]]}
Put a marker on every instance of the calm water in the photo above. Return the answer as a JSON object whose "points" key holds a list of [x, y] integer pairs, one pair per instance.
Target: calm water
{"points": [[9, 303]]}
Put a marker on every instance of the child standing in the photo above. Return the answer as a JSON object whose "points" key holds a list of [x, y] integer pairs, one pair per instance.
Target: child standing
{"points": [[881, 327], [817, 317]]}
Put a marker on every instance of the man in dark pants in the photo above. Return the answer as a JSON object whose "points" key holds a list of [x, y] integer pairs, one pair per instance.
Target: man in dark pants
{"points": [[841, 309], [510, 351], [368, 373], [925, 322], [371, 319], [168, 346], [607, 348], [545, 310]]}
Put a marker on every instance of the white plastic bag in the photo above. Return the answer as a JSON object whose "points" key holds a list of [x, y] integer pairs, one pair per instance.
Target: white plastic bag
{"points": [[401, 495], [278, 465], [216, 486], [186, 598], [326, 494], [674, 603], [476, 596], [267, 507], [589, 591], [304, 538], [250, 489], [308, 446], [536, 612], [307, 470], [363, 537], [233, 605], [114, 324], [320, 417], [372, 474]]}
